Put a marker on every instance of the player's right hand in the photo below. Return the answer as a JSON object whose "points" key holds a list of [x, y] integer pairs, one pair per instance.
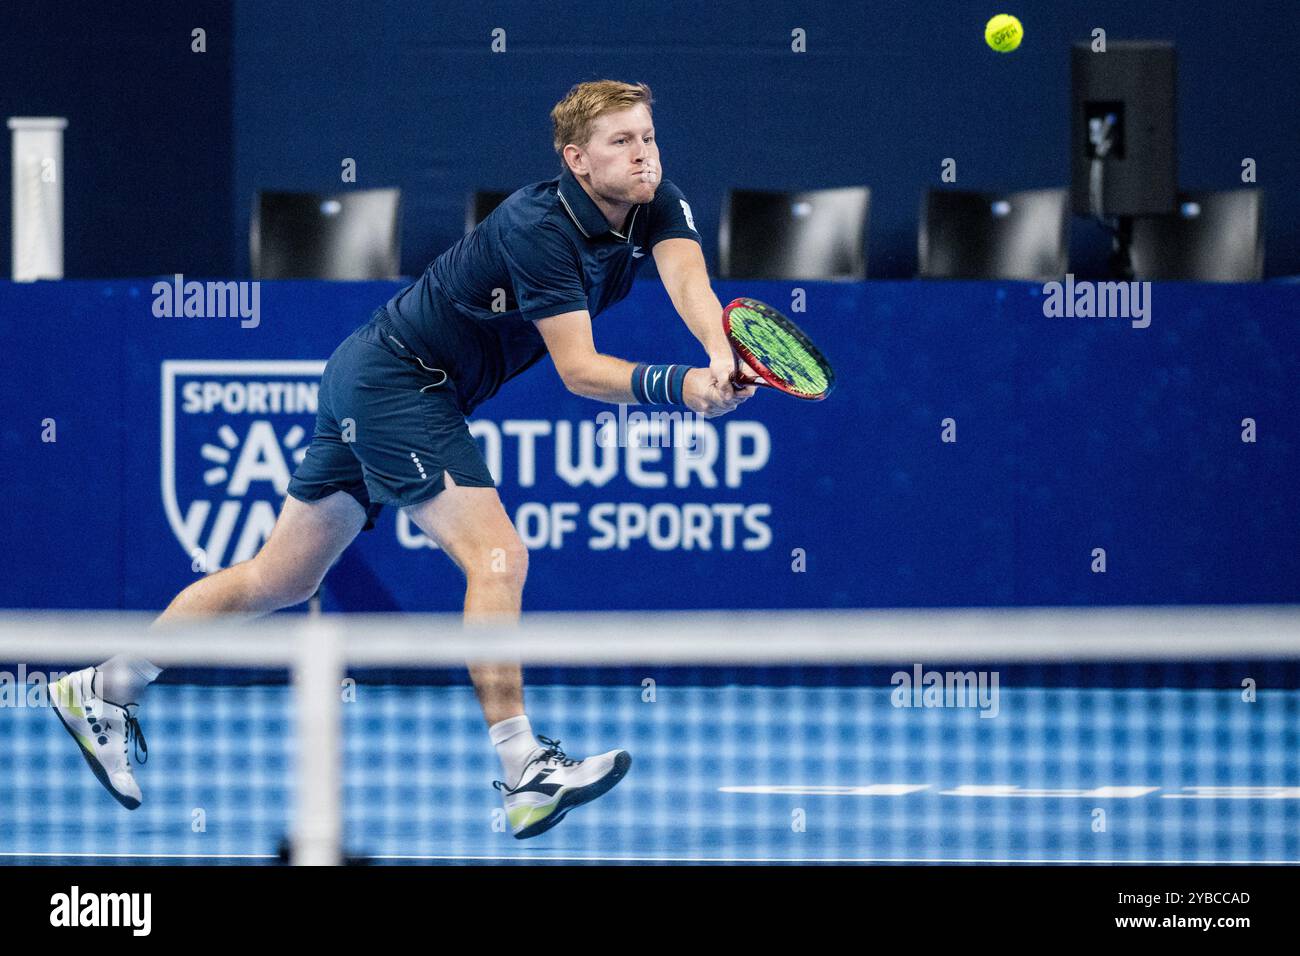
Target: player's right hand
{"points": [[702, 395]]}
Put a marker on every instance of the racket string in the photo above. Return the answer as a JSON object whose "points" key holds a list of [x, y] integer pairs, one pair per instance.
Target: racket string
{"points": [[781, 353]]}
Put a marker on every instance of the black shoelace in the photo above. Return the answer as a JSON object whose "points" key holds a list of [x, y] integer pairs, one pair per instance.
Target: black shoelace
{"points": [[132, 725], [135, 735], [552, 751]]}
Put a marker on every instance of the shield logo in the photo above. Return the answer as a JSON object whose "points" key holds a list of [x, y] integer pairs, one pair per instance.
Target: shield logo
{"points": [[232, 434]]}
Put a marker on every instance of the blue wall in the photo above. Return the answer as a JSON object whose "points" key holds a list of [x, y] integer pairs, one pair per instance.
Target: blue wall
{"points": [[147, 151], [886, 91], [165, 147], [1072, 434]]}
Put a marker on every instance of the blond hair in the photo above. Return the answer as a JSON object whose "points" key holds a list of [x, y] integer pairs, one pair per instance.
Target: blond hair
{"points": [[572, 117]]}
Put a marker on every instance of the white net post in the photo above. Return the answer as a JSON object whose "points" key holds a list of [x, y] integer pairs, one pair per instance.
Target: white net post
{"points": [[317, 676], [37, 197]]}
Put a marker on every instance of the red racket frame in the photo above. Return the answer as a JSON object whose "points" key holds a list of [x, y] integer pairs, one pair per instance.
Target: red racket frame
{"points": [[766, 379]]}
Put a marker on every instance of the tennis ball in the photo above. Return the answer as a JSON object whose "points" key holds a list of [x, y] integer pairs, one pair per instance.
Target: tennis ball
{"points": [[1003, 32]]}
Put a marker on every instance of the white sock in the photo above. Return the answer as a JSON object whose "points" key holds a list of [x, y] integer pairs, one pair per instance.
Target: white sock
{"points": [[515, 743], [122, 680]]}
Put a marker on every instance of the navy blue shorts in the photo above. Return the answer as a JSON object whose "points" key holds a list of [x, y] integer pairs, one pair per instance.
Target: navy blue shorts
{"points": [[387, 427]]}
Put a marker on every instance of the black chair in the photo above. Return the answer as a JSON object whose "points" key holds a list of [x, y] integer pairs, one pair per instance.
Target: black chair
{"points": [[816, 234], [1213, 237], [480, 205], [973, 235], [351, 235]]}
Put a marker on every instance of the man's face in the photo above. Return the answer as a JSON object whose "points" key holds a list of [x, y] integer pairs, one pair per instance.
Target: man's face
{"points": [[622, 157]]}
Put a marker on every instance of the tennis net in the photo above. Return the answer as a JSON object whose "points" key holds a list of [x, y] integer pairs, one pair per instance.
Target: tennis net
{"points": [[1135, 735]]}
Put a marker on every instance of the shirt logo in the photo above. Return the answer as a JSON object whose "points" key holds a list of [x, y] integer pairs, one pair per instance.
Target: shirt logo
{"points": [[636, 252], [690, 220]]}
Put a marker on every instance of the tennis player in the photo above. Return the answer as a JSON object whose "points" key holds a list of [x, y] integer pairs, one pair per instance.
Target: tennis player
{"points": [[391, 429]]}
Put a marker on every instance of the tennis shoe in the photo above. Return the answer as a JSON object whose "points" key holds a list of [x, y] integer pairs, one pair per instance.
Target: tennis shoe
{"points": [[104, 732], [553, 783]]}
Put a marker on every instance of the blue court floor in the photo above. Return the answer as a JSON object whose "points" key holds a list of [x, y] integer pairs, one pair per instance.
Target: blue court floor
{"points": [[726, 774]]}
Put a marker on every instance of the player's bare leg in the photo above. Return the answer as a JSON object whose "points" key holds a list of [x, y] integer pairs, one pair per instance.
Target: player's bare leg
{"points": [[307, 538], [98, 705], [542, 784], [472, 527]]}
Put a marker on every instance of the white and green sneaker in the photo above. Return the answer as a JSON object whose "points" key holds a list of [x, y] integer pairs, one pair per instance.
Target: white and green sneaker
{"points": [[552, 784], [103, 731]]}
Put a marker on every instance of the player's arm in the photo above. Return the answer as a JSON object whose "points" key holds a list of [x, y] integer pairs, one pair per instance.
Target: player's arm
{"points": [[686, 278], [606, 378]]}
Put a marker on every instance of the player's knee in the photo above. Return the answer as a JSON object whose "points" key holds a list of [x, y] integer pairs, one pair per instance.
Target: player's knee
{"points": [[505, 563], [282, 585]]}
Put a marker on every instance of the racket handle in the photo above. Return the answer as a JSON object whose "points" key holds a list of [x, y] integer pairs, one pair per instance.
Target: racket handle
{"points": [[739, 379]]}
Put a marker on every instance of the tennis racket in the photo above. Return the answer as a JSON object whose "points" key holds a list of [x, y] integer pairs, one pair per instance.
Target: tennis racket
{"points": [[777, 350]]}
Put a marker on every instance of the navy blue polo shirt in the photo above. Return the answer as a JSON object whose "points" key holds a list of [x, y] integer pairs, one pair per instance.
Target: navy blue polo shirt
{"points": [[545, 251]]}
